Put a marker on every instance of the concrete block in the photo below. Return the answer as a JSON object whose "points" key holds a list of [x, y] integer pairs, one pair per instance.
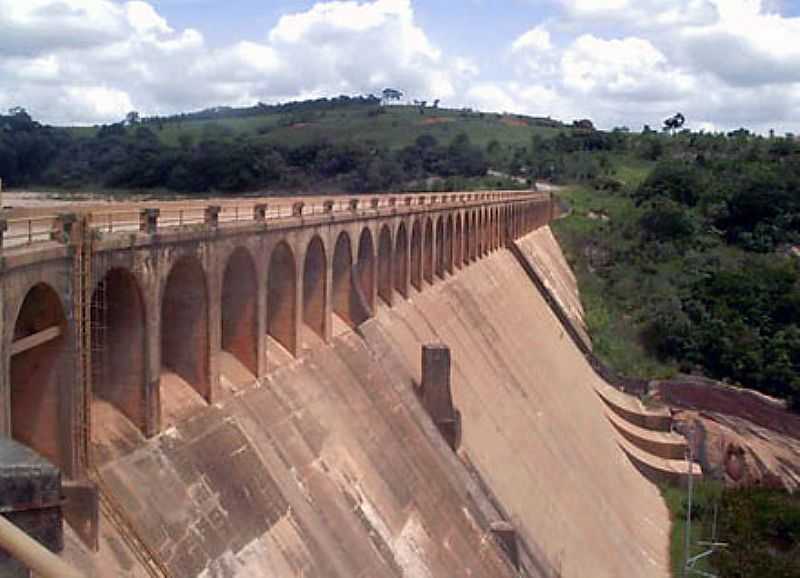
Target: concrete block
{"points": [[506, 537], [437, 397], [30, 498]]}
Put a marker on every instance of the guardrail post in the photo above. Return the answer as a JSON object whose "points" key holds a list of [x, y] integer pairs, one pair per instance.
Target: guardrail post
{"points": [[408, 201], [327, 207], [353, 204], [148, 220], [260, 212], [422, 200], [212, 216], [63, 227], [3, 229], [297, 209], [463, 198], [374, 202]]}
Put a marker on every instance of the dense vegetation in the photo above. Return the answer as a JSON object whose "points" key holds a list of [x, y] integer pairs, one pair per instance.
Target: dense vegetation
{"points": [[684, 245], [343, 144], [760, 527]]}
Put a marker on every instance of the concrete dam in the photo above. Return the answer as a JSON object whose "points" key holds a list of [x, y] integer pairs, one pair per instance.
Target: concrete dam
{"points": [[351, 387]]}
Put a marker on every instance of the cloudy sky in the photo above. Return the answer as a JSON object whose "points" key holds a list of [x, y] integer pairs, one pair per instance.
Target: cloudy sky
{"points": [[723, 63]]}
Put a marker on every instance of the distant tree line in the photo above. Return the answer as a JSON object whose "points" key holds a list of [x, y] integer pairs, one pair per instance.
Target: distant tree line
{"points": [[132, 156]]}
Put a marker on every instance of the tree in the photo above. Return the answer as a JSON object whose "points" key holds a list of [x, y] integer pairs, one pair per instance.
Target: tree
{"points": [[132, 118], [392, 94], [673, 123]]}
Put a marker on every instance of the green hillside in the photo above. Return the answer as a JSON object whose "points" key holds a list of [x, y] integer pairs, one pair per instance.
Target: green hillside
{"points": [[392, 127]]}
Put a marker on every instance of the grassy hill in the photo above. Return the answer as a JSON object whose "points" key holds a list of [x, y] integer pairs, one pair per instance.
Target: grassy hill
{"points": [[392, 127]]}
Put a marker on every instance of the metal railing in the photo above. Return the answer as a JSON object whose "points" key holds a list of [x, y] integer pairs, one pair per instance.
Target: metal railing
{"points": [[26, 231]]}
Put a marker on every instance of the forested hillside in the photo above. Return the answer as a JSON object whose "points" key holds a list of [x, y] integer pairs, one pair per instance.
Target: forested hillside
{"points": [[686, 250], [343, 144]]}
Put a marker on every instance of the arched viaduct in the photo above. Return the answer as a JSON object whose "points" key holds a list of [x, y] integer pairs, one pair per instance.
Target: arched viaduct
{"points": [[122, 317]]}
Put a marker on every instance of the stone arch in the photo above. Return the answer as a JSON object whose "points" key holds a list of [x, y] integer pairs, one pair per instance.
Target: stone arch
{"points": [[476, 235], [465, 258], [401, 261], [366, 268], [119, 359], [343, 294], [448, 248], [485, 231], [282, 297], [38, 353], [239, 309], [494, 228], [458, 246], [416, 255], [184, 325], [315, 287], [440, 247], [385, 265], [428, 254]]}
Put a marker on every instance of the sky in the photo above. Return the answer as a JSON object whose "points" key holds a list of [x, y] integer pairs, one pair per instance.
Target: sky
{"points": [[724, 64]]}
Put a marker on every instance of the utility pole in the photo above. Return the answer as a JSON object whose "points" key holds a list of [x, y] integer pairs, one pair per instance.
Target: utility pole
{"points": [[712, 546]]}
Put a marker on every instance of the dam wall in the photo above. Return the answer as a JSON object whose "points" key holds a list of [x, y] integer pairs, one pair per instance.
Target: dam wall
{"points": [[318, 458], [533, 425]]}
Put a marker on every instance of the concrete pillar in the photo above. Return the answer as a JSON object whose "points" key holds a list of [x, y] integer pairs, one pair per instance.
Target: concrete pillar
{"points": [[152, 397], [506, 537], [148, 220], [437, 396], [329, 246], [214, 278], [63, 227], [260, 212], [212, 216]]}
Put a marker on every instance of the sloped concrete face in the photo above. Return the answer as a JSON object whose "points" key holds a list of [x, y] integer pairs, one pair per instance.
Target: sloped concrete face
{"points": [[324, 470], [532, 424]]}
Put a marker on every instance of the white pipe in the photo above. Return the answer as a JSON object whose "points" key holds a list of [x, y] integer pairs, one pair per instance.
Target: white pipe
{"points": [[32, 554]]}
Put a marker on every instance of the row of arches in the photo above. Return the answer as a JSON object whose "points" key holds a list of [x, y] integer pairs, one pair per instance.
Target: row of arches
{"points": [[302, 293]]}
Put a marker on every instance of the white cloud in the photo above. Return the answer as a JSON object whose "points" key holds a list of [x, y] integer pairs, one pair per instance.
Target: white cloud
{"points": [[536, 39], [127, 55], [724, 63]]}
